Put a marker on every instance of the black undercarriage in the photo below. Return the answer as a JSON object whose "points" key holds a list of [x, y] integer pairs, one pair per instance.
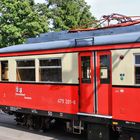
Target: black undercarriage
{"points": [[94, 127]]}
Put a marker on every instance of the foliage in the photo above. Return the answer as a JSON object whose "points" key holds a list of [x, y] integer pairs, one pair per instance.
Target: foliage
{"points": [[18, 21], [22, 19], [67, 14]]}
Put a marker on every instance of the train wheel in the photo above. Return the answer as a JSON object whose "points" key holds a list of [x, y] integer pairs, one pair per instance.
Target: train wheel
{"points": [[132, 138], [29, 122], [37, 122], [129, 135], [99, 132]]}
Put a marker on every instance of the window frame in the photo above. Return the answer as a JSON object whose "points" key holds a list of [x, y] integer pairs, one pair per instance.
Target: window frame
{"points": [[50, 67], [136, 65], [7, 67], [108, 68], [25, 68], [85, 80]]}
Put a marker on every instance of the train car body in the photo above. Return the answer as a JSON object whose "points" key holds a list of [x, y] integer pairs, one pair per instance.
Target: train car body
{"points": [[92, 81]]}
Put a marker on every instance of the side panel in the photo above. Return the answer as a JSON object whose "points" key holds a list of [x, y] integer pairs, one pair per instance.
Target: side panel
{"points": [[125, 92], [126, 103], [56, 98], [123, 70], [69, 66]]}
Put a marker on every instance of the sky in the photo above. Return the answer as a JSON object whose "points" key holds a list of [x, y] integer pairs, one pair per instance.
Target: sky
{"points": [[107, 7]]}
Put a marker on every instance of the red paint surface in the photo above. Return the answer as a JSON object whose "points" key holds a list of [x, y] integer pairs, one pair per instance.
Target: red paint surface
{"points": [[74, 49], [126, 104], [86, 89], [57, 98], [104, 94]]}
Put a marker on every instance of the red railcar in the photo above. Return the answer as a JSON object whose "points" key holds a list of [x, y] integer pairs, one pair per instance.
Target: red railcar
{"points": [[89, 79]]}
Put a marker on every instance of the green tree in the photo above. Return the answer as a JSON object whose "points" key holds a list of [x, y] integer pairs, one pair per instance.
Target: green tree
{"points": [[67, 14], [43, 10], [19, 20]]}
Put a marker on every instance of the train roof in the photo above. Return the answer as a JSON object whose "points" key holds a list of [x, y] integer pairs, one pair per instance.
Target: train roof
{"points": [[60, 40], [67, 35]]}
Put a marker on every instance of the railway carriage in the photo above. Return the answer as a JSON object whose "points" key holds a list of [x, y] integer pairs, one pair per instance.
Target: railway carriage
{"points": [[88, 79]]}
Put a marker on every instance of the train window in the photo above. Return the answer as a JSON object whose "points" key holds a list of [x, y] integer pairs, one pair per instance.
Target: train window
{"points": [[25, 70], [50, 70], [137, 59], [4, 70], [137, 69], [86, 69], [105, 69]]}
